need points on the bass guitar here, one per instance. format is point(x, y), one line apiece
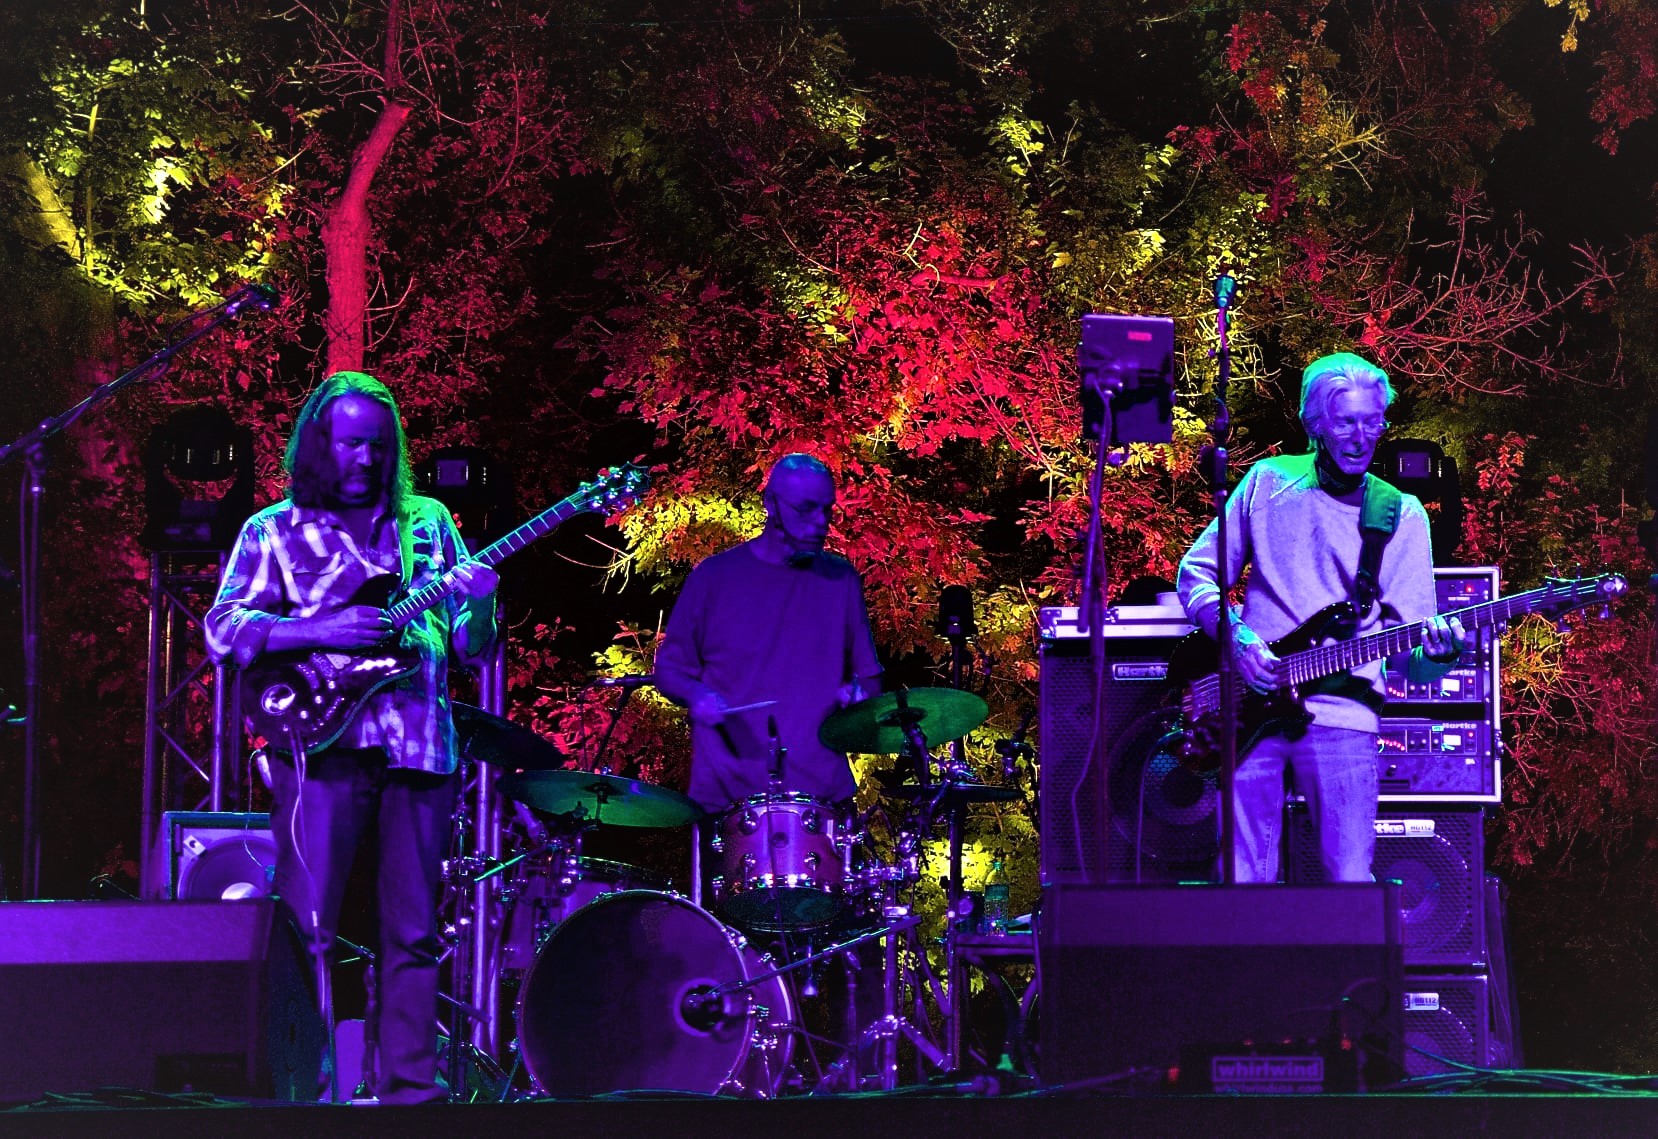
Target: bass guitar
point(1309, 655)
point(309, 697)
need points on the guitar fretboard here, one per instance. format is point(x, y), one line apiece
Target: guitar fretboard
point(1327, 660)
point(429, 595)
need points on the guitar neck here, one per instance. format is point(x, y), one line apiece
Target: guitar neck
point(540, 526)
point(1327, 660)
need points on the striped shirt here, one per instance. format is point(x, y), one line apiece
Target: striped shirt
point(295, 561)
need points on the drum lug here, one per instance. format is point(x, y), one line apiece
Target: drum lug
point(749, 823)
point(811, 822)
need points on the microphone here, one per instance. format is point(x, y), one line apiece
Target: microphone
point(1225, 286)
point(955, 612)
point(261, 297)
point(639, 680)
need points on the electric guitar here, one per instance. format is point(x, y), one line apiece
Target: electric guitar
point(310, 696)
point(1308, 655)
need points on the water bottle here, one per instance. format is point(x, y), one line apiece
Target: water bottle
point(996, 898)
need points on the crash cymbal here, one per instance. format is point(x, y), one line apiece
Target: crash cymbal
point(876, 726)
point(501, 743)
point(952, 794)
point(606, 799)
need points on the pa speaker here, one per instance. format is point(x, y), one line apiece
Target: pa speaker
point(160, 996)
point(202, 856)
point(1136, 977)
point(1116, 804)
point(1437, 855)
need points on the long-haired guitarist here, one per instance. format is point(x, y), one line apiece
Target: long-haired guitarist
point(1294, 521)
point(351, 515)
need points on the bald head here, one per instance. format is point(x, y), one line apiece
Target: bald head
point(800, 503)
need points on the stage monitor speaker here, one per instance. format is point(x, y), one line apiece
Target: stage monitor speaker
point(1135, 977)
point(201, 856)
point(1126, 811)
point(1437, 855)
point(1448, 1023)
point(151, 995)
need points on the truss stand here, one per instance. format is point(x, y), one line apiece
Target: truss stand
point(32, 446)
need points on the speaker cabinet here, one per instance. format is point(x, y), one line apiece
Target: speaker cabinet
point(166, 997)
point(201, 856)
point(1437, 855)
point(1124, 810)
point(1138, 976)
point(1448, 1023)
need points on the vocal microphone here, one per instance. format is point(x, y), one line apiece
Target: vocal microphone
point(1225, 286)
point(639, 680)
point(261, 297)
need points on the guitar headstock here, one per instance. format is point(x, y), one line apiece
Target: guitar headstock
point(613, 489)
point(1564, 594)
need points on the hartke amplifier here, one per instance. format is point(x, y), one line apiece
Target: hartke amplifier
point(167, 996)
point(205, 855)
point(1124, 811)
point(1437, 855)
point(1448, 1023)
point(1135, 977)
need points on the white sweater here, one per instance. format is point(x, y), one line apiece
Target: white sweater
point(1302, 548)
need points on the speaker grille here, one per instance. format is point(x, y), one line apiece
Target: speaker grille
point(1438, 857)
point(1447, 1022)
point(1161, 825)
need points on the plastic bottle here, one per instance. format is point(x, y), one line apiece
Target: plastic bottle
point(996, 895)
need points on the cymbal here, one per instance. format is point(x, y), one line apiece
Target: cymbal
point(502, 743)
point(607, 799)
point(876, 726)
point(952, 794)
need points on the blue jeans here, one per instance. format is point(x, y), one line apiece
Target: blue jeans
point(1334, 769)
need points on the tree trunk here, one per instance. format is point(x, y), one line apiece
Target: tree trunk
point(347, 229)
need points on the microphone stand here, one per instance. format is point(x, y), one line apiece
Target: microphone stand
point(32, 446)
point(1213, 462)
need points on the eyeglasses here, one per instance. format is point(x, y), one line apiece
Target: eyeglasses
point(1348, 426)
point(809, 508)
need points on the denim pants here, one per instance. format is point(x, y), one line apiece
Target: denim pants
point(318, 822)
point(1334, 769)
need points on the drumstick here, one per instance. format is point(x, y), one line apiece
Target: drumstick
point(756, 706)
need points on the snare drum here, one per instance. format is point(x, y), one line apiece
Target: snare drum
point(548, 889)
point(781, 862)
point(645, 990)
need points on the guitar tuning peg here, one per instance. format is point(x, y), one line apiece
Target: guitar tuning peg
point(1561, 626)
point(1605, 611)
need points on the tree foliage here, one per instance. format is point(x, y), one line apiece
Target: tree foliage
point(866, 231)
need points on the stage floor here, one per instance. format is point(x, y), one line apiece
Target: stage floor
point(912, 1114)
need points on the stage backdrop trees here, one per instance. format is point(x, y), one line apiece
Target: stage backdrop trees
point(866, 231)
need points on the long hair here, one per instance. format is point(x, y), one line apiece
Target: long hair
point(310, 462)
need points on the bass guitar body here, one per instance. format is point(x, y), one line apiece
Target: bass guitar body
point(1281, 712)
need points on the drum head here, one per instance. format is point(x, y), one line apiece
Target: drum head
point(603, 1008)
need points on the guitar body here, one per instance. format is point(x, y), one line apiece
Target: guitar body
point(310, 697)
point(1197, 659)
point(315, 694)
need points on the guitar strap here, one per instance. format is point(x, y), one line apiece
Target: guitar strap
point(1378, 519)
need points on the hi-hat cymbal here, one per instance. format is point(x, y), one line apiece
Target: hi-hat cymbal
point(876, 726)
point(501, 743)
point(607, 799)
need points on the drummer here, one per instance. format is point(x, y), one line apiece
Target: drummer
point(766, 640)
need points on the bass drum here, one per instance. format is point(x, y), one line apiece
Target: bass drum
point(640, 990)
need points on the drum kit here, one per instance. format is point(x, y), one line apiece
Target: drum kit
point(617, 982)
